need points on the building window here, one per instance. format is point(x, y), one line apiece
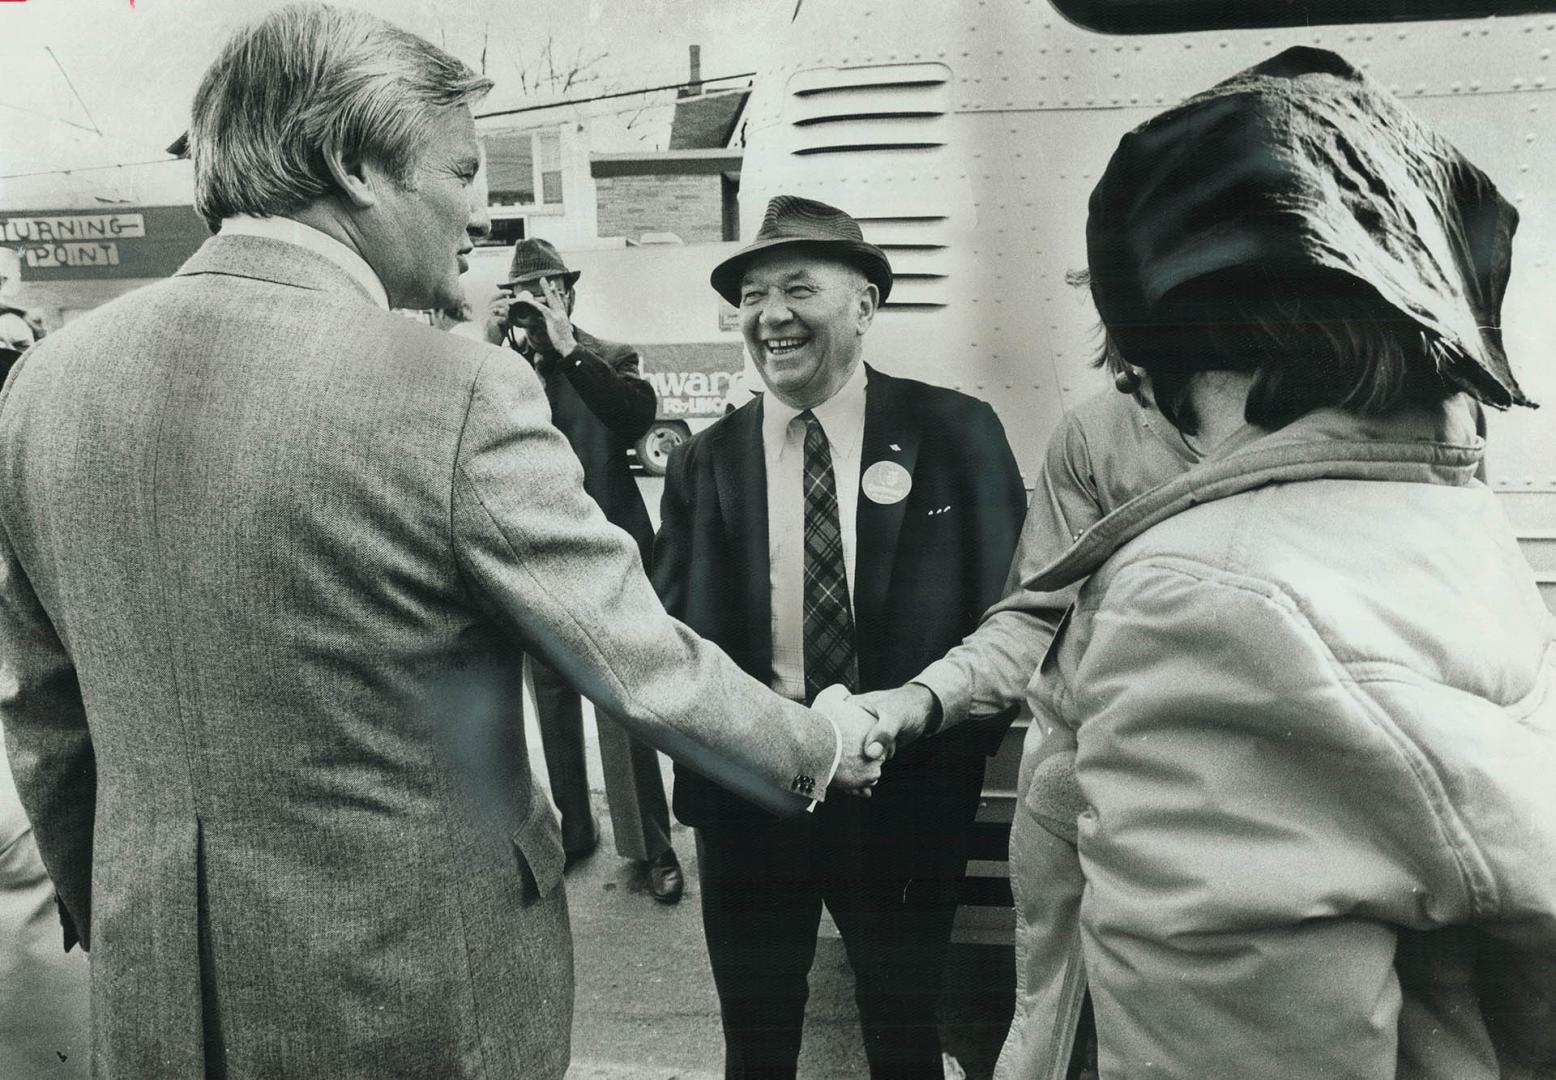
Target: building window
point(1179, 16)
point(548, 163)
point(505, 232)
point(524, 168)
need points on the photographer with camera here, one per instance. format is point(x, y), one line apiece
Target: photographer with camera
point(602, 404)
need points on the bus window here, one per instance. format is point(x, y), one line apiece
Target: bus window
point(1178, 16)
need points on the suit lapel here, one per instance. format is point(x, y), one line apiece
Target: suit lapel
point(740, 473)
point(891, 433)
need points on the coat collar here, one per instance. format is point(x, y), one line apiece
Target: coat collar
point(291, 231)
point(1423, 446)
point(261, 258)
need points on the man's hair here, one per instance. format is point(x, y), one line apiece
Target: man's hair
point(306, 81)
point(1315, 339)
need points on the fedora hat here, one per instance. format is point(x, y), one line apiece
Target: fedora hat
point(791, 221)
point(534, 258)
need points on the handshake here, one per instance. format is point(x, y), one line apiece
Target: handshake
point(873, 726)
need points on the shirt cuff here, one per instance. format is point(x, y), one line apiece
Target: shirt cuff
point(837, 759)
point(936, 719)
point(952, 686)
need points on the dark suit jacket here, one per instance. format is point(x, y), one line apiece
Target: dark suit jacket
point(602, 404)
point(927, 566)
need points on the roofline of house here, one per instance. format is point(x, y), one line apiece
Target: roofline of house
point(666, 163)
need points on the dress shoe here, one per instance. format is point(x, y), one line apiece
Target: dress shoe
point(579, 843)
point(666, 883)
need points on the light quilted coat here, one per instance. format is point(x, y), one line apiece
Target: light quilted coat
point(1306, 694)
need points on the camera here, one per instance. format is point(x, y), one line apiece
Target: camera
point(524, 312)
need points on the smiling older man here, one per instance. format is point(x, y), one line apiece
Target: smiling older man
point(268, 554)
point(847, 526)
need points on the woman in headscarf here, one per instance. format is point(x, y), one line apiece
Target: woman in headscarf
point(1306, 692)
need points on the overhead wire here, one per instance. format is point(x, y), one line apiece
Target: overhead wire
point(479, 116)
point(48, 116)
point(50, 50)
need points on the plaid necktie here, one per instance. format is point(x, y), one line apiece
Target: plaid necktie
point(829, 620)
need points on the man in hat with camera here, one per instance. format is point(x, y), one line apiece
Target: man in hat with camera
point(845, 526)
point(602, 404)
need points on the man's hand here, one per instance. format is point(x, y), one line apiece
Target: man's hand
point(857, 771)
point(902, 715)
point(551, 307)
point(497, 318)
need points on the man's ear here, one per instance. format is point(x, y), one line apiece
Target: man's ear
point(355, 179)
point(869, 301)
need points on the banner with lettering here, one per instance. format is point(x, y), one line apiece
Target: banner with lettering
point(692, 380)
point(75, 245)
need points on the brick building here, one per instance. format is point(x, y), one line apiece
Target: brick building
point(689, 191)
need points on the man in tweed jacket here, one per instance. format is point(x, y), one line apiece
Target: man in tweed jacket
point(267, 552)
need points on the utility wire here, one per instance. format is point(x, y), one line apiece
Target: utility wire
point(46, 116)
point(92, 168)
point(479, 116)
point(50, 50)
point(606, 97)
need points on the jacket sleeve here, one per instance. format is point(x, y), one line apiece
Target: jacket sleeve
point(47, 741)
point(1255, 831)
point(614, 390)
point(540, 556)
point(989, 671)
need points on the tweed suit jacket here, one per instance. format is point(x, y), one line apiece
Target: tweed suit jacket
point(267, 555)
point(927, 566)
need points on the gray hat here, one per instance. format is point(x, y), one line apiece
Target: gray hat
point(535, 258)
point(791, 221)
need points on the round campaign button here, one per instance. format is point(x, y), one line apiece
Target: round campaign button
point(886, 482)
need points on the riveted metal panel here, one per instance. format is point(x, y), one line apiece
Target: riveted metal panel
point(972, 135)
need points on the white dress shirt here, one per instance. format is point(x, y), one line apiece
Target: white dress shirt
point(783, 445)
point(320, 243)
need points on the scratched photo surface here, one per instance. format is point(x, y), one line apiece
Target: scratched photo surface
point(644, 140)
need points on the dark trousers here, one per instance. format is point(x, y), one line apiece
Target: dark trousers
point(634, 787)
point(892, 890)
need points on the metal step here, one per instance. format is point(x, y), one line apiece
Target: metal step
point(1547, 585)
point(984, 926)
point(1539, 548)
point(1000, 775)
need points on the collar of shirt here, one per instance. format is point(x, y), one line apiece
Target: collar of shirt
point(841, 416)
point(292, 231)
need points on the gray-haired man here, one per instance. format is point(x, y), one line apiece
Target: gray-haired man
point(266, 554)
